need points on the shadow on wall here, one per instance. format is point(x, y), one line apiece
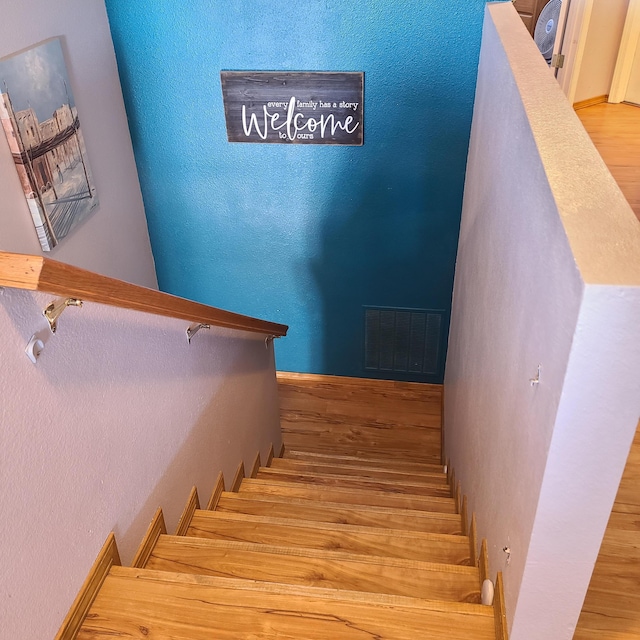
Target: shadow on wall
point(212, 445)
point(392, 241)
point(304, 235)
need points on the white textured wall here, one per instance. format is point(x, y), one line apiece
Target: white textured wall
point(119, 416)
point(547, 274)
point(601, 48)
point(114, 241)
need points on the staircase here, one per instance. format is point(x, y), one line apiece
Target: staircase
point(356, 532)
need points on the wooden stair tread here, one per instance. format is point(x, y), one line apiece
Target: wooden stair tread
point(362, 515)
point(370, 419)
point(295, 552)
point(139, 603)
point(318, 428)
point(347, 496)
point(337, 388)
point(369, 461)
point(349, 481)
point(427, 547)
point(313, 567)
point(301, 442)
point(345, 468)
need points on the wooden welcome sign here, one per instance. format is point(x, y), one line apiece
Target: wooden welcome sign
point(293, 107)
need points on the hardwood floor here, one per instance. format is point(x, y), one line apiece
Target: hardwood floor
point(615, 131)
point(611, 609)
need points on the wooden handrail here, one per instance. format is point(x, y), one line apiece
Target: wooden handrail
point(37, 273)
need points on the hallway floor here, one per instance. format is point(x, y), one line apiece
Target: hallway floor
point(615, 131)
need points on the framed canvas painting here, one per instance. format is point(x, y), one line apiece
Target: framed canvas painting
point(40, 120)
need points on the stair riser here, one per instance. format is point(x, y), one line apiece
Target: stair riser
point(342, 514)
point(392, 544)
point(366, 575)
point(335, 480)
point(291, 464)
point(347, 496)
point(397, 454)
point(373, 462)
point(389, 436)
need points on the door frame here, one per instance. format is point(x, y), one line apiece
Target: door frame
point(626, 53)
point(577, 15)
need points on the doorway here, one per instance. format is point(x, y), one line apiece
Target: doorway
point(625, 86)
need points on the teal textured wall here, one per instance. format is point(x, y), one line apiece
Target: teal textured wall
point(304, 235)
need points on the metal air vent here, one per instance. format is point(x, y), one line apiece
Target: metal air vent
point(402, 340)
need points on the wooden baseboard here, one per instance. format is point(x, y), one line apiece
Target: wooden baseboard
point(237, 479)
point(500, 615)
point(107, 558)
point(256, 466)
point(483, 561)
point(155, 530)
point(473, 542)
point(185, 519)
point(313, 379)
point(464, 516)
point(218, 488)
point(270, 455)
point(589, 102)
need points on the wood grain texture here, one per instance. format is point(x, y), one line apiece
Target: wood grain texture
point(347, 496)
point(361, 471)
point(340, 513)
point(375, 541)
point(218, 488)
point(37, 273)
point(203, 607)
point(483, 561)
point(529, 11)
point(364, 418)
point(355, 482)
point(612, 605)
point(107, 558)
point(355, 534)
point(156, 528)
point(589, 102)
point(255, 467)
point(464, 513)
point(500, 614)
point(270, 455)
point(615, 131)
point(345, 386)
point(473, 541)
point(320, 568)
point(349, 445)
point(371, 404)
point(193, 503)
point(237, 478)
point(374, 462)
point(316, 430)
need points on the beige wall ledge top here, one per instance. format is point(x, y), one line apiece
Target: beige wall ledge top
point(600, 225)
